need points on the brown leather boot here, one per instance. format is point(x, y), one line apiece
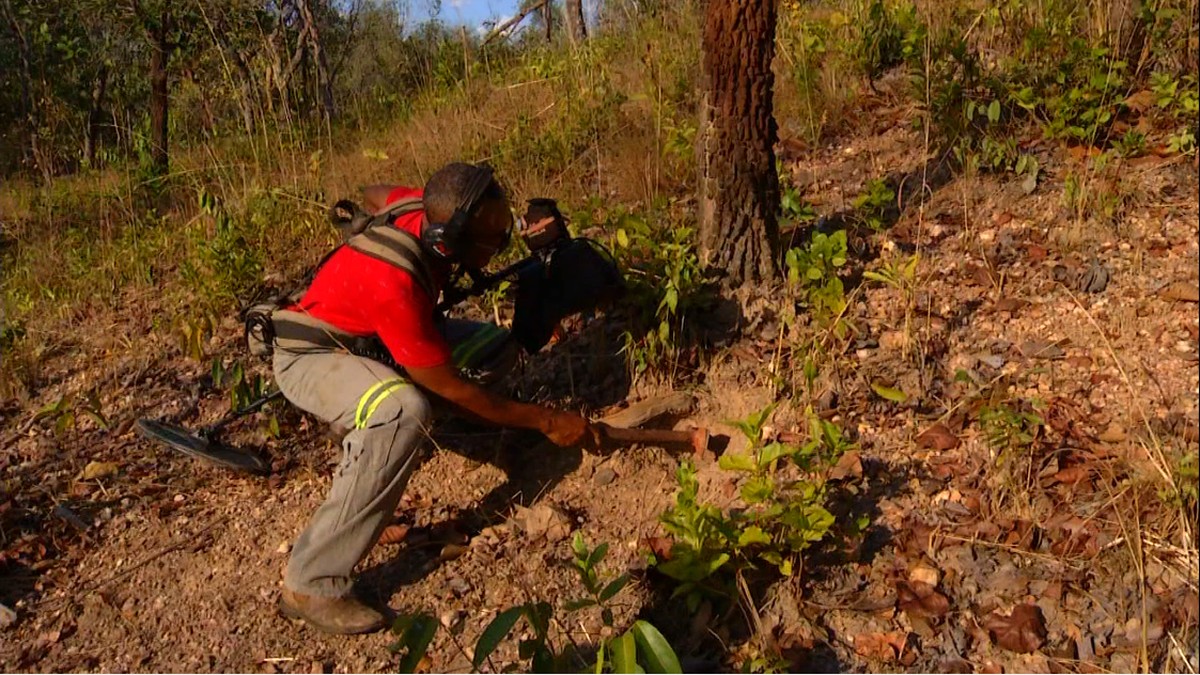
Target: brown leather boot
point(341, 616)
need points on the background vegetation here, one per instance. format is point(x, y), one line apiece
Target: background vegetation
point(276, 110)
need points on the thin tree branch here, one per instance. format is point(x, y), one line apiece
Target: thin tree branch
point(513, 21)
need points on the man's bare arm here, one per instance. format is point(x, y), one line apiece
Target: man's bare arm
point(375, 197)
point(563, 428)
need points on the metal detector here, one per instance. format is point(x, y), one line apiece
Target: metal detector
point(204, 442)
point(543, 243)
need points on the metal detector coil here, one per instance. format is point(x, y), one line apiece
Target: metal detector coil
point(204, 443)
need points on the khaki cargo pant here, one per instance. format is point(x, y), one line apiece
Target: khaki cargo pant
point(388, 420)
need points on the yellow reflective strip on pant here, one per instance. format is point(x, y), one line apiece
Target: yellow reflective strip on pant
point(379, 399)
point(365, 398)
point(469, 348)
point(370, 400)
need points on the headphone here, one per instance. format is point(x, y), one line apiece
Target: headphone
point(448, 240)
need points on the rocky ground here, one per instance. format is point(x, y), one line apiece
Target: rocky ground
point(1060, 551)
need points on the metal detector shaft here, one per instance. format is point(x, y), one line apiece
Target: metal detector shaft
point(484, 282)
point(252, 407)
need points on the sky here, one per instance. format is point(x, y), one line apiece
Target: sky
point(474, 12)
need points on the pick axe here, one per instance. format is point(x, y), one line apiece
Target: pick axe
point(696, 439)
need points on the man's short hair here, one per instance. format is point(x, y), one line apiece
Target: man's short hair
point(448, 186)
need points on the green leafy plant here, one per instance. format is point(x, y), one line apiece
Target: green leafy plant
point(813, 272)
point(64, 413)
point(1007, 427)
point(1085, 95)
point(1178, 97)
point(1182, 141)
point(1187, 479)
point(244, 391)
point(1132, 144)
point(665, 283)
point(194, 331)
point(881, 33)
point(794, 207)
point(782, 513)
point(225, 265)
point(640, 648)
point(872, 205)
point(901, 274)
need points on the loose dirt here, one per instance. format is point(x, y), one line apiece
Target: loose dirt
point(1063, 555)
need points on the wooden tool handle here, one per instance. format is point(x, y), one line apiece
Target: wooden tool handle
point(647, 435)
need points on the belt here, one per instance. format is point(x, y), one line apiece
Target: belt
point(298, 332)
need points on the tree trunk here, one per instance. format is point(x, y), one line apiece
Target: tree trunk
point(739, 189)
point(576, 28)
point(548, 19)
point(1122, 29)
point(246, 100)
point(159, 53)
point(324, 81)
point(40, 162)
point(95, 107)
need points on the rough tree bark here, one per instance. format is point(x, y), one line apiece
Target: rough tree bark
point(159, 53)
point(739, 189)
point(324, 80)
point(548, 19)
point(1123, 29)
point(28, 100)
point(576, 28)
point(95, 109)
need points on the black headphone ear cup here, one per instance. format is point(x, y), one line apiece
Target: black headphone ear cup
point(454, 233)
point(448, 239)
point(433, 238)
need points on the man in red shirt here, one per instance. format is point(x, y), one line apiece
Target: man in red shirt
point(387, 411)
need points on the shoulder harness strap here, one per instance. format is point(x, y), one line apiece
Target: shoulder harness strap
point(375, 236)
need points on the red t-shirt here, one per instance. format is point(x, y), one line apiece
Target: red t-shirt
point(365, 296)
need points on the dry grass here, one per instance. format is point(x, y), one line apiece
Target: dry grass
point(86, 240)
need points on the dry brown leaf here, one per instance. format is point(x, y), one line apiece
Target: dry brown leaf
point(978, 274)
point(393, 534)
point(937, 437)
point(543, 521)
point(659, 546)
point(1080, 362)
point(1181, 291)
point(874, 646)
point(1072, 475)
point(849, 466)
point(924, 574)
point(729, 488)
point(451, 552)
point(1011, 304)
point(1074, 535)
point(947, 470)
point(95, 470)
point(1020, 533)
point(971, 501)
point(885, 647)
point(1140, 101)
point(1041, 349)
point(920, 599)
point(1146, 161)
point(1036, 253)
point(1023, 631)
